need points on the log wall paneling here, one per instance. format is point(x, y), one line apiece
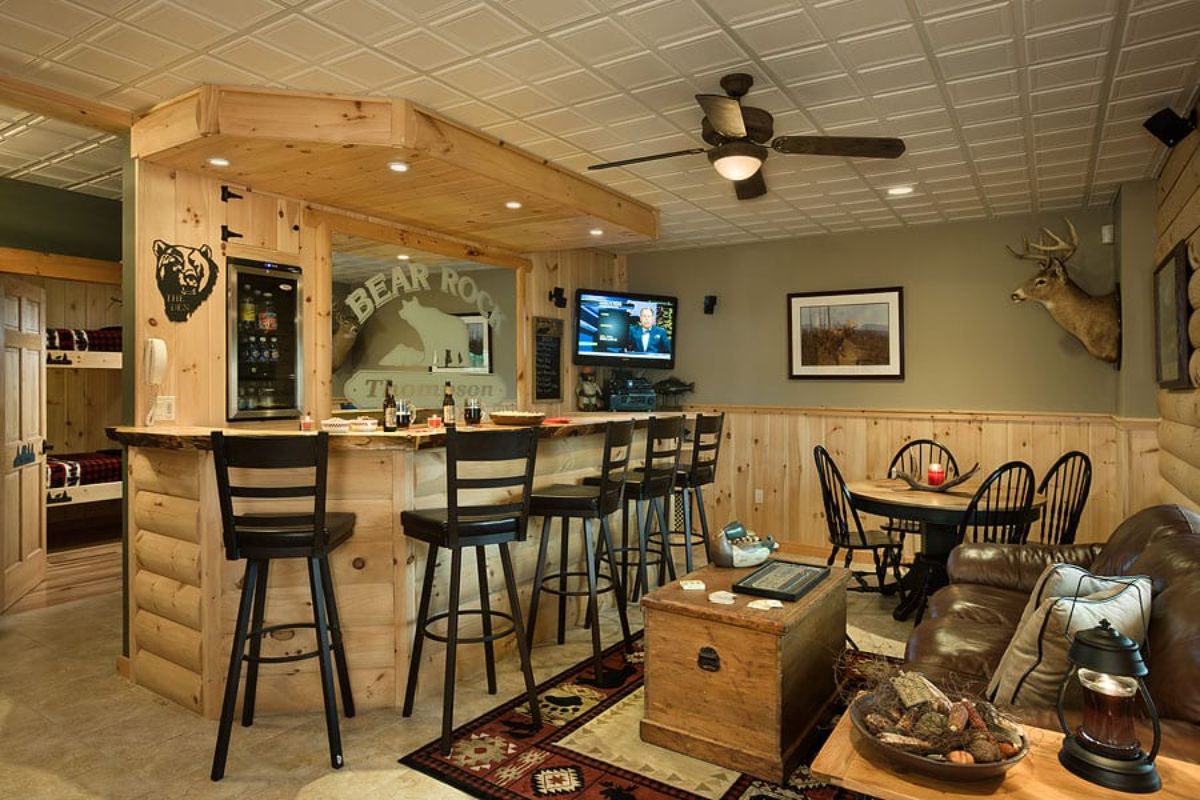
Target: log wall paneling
point(570, 269)
point(1178, 219)
point(771, 449)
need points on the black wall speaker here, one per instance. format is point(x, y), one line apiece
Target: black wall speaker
point(558, 297)
point(1170, 128)
point(710, 303)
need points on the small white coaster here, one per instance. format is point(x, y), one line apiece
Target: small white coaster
point(692, 585)
point(722, 598)
point(765, 604)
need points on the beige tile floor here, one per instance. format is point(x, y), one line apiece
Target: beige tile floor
point(70, 727)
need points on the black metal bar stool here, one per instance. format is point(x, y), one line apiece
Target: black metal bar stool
point(647, 488)
point(586, 503)
point(262, 536)
point(471, 519)
point(693, 476)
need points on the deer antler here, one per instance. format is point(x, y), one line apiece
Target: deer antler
point(1051, 247)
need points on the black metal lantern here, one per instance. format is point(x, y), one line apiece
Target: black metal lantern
point(1104, 748)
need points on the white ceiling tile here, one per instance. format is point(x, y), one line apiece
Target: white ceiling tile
point(368, 21)
point(667, 20)
point(582, 81)
point(848, 17)
point(423, 50)
point(777, 33)
point(985, 87)
point(881, 47)
point(1162, 21)
point(971, 28)
point(714, 51)
point(1084, 69)
point(532, 61)
point(1062, 43)
point(995, 57)
point(175, 24)
point(479, 29)
point(546, 15)
point(1044, 14)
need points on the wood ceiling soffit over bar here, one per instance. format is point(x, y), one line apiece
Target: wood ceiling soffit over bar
point(333, 151)
point(62, 106)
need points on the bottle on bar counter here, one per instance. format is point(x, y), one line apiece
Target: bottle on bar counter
point(389, 409)
point(448, 407)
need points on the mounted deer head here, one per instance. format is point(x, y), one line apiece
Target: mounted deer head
point(1094, 320)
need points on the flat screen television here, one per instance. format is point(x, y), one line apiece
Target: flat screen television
point(620, 329)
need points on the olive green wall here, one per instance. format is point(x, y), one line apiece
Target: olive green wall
point(967, 345)
point(35, 217)
point(1136, 237)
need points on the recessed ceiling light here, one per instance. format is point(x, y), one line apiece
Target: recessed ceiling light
point(217, 161)
point(596, 232)
point(897, 191)
point(513, 204)
point(403, 257)
point(397, 166)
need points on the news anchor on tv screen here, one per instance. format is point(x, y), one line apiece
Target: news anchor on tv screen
point(646, 336)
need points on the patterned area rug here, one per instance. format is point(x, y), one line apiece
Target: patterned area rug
point(590, 749)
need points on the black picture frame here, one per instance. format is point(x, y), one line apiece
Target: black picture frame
point(781, 580)
point(1172, 349)
point(893, 296)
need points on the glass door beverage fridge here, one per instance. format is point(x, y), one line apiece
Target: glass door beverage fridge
point(264, 340)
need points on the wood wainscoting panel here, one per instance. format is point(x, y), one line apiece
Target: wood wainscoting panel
point(770, 448)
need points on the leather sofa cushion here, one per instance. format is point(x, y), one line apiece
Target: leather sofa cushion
point(957, 645)
point(1035, 664)
point(1016, 568)
point(986, 605)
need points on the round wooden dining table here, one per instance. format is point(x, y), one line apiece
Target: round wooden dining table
point(940, 515)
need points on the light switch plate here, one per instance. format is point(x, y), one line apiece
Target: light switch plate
point(758, 495)
point(164, 408)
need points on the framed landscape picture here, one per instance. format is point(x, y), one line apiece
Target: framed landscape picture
point(1171, 319)
point(852, 334)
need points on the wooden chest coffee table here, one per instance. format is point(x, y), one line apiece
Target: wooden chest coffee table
point(735, 686)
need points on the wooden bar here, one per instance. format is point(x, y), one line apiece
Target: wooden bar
point(184, 592)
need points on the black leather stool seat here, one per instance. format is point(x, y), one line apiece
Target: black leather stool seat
point(429, 525)
point(284, 540)
point(566, 498)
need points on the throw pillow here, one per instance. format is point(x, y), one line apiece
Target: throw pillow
point(1066, 580)
point(1035, 663)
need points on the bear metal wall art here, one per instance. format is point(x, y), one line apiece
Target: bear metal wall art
point(185, 276)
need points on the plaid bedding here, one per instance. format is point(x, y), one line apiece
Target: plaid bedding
point(103, 340)
point(78, 469)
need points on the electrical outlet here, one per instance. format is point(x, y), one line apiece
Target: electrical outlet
point(164, 408)
point(758, 495)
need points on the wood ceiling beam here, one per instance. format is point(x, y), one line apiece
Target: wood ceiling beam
point(60, 105)
point(428, 241)
point(53, 265)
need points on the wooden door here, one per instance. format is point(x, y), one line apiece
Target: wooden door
point(23, 422)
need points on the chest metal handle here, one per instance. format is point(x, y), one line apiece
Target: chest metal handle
point(708, 659)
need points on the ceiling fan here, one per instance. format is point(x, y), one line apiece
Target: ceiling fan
point(739, 135)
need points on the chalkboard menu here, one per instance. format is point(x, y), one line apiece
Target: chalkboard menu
point(547, 358)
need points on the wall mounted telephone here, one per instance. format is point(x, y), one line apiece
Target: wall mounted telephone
point(154, 371)
point(154, 361)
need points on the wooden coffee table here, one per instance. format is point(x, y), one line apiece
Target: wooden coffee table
point(735, 686)
point(1038, 776)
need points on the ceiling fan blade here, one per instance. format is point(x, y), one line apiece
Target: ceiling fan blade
point(626, 162)
point(754, 186)
point(847, 146)
point(724, 114)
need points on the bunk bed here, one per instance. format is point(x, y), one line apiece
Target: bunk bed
point(90, 477)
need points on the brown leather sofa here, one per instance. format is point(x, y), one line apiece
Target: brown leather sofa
point(969, 622)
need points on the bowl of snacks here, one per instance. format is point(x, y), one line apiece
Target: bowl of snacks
point(914, 726)
point(335, 425)
point(517, 417)
point(364, 425)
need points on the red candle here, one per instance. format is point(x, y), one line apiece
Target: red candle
point(937, 474)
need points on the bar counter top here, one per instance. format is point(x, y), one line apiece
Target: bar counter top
point(418, 437)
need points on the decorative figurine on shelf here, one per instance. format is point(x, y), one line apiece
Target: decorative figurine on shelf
point(735, 546)
point(588, 395)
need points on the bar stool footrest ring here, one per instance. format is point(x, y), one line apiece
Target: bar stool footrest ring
point(475, 612)
point(604, 583)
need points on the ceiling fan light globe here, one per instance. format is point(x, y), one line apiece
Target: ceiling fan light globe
point(736, 161)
